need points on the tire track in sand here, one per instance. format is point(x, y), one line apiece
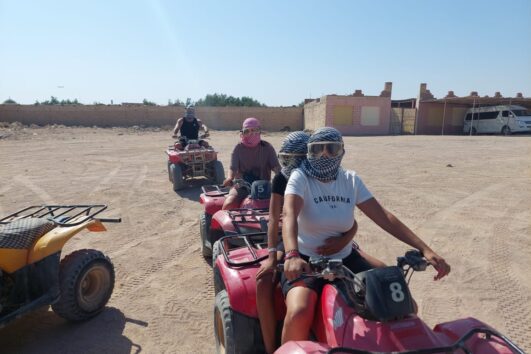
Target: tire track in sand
point(511, 296)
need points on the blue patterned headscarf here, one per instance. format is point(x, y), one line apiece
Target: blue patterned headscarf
point(323, 168)
point(294, 143)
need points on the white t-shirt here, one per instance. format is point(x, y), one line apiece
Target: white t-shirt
point(328, 208)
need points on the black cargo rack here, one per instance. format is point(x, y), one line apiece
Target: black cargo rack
point(226, 241)
point(62, 215)
point(249, 216)
point(215, 190)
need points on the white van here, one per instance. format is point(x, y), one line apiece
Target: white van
point(497, 119)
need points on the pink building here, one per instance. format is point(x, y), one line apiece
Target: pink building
point(354, 114)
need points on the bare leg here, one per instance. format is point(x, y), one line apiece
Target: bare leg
point(232, 201)
point(265, 305)
point(300, 303)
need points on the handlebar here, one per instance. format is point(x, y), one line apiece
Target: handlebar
point(114, 220)
point(331, 269)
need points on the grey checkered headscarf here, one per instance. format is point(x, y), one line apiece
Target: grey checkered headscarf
point(323, 168)
point(294, 143)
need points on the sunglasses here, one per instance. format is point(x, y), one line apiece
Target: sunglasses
point(288, 159)
point(249, 131)
point(332, 148)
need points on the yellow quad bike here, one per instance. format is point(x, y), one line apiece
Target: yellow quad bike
point(32, 273)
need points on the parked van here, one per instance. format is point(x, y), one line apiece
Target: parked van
point(497, 119)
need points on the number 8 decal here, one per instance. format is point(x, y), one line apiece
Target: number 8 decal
point(396, 292)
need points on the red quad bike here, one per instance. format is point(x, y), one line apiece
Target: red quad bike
point(187, 159)
point(250, 217)
point(368, 312)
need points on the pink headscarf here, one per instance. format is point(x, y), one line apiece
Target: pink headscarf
point(251, 140)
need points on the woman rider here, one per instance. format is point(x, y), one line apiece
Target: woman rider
point(319, 202)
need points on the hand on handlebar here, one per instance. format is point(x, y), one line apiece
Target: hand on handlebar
point(227, 182)
point(438, 263)
point(294, 267)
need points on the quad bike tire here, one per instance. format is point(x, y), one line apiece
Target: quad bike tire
point(219, 172)
point(506, 130)
point(177, 177)
point(234, 332)
point(216, 251)
point(170, 176)
point(86, 282)
point(204, 229)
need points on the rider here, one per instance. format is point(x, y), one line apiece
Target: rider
point(252, 159)
point(319, 202)
point(292, 153)
point(188, 127)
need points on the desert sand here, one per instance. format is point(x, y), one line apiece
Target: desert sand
point(468, 197)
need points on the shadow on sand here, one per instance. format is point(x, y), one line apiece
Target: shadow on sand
point(44, 329)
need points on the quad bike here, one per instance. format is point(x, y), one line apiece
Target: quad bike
point(188, 159)
point(252, 215)
point(368, 312)
point(32, 273)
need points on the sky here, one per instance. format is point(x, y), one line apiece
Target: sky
point(278, 52)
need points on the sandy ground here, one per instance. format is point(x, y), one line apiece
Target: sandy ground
point(468, 197)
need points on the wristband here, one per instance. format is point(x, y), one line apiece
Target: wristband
point(271, 250)
point(292, 254)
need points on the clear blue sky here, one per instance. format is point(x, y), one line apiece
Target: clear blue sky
point(278, 52)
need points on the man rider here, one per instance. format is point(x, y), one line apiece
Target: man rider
point(188, 127)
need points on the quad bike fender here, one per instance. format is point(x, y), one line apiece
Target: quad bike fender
point(54, 241)
point(240, 284)
point(332, 315)
point(173, 156)
point(249, 203)
point(241, 287)
point(12, 259)
point(222, 221)
point(212, 204)
point(400, 335)
point(302, 347)
point(477, 344)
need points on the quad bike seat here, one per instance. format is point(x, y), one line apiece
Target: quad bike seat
point(261, 190)
point(17, 237)
point(22, 233)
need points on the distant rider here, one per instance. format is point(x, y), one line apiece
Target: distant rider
point(188, 128)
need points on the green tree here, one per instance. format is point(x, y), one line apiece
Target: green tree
point(148, 103)
point(222, 100)
point(10, 101)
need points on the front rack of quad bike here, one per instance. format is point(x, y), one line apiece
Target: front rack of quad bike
point(61, 215)
point(245, 241)
point(214, 190)
point(458, 347)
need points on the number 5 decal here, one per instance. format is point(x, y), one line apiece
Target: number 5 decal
point(396, 292)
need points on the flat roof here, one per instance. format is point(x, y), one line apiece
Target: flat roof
point(491, 101)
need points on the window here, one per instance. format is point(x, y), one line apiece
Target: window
point(342, 115)
point(505, 114)
point(521, 113)
point(488, 115)
point(370, 116)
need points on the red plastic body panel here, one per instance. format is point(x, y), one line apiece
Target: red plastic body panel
point(240, 283)
point(303, 347)
point(173, 156)
point(456, 329)
point(337, 325)
point(212, 203)
point(249, 203)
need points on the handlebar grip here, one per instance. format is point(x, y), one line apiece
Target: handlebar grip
point(116, 220)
